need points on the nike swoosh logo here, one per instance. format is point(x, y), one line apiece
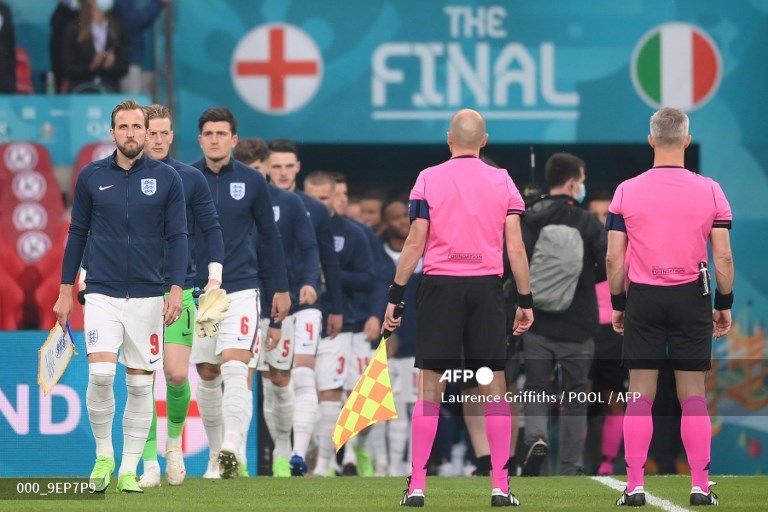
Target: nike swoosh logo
point(240, 338)
point(105, 188)
point(153, 361)
point(186, 334)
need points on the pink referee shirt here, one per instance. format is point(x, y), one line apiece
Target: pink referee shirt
point(668, 213)
point(467, 203)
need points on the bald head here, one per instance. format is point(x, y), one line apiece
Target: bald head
point(467, 130)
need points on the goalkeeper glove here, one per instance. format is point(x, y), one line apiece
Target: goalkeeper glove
point(213, 309)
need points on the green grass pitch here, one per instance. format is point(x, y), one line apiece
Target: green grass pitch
point(371, 494)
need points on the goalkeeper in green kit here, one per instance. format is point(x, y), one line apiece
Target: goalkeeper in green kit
point(201, 216)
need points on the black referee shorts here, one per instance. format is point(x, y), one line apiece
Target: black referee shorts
point(461, 323)
point(667, 321)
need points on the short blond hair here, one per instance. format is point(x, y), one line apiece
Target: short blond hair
point(157, 111)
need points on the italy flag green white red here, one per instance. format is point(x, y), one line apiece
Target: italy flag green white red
point(676, 65)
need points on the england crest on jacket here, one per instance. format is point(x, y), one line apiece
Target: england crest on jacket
point(237, 190)
point(149, 186)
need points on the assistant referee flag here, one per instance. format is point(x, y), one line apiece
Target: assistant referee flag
point(371, 401)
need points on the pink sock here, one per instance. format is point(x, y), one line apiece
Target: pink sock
point(696, 431)
point(612, 434)
point(498, 428)
point(423, 430)
point(638, 431)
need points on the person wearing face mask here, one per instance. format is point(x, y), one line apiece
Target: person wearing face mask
point(563, 332)
point(97, 49)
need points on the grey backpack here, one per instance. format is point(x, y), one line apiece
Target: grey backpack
point(558, 257)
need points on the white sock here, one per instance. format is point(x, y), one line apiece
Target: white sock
point(243, 453)
point(304, 408)
point(137, 419)
point(267, 405)
point(377, 444)
point(329, 413)
point(283, 413)
point(234, 404)
point(398, 440)
point(100, 402)
point(209, 404)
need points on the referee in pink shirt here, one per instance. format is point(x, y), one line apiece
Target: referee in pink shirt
point(461, 211)
point(667, 214)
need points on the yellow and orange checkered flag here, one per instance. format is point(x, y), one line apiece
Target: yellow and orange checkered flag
point(372, 399)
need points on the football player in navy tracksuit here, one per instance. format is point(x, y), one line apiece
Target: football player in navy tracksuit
point(201, 214)
point(127, 208)
point(242, 200)
point(357, 276)
point(303, 266)
point(357, 459)
point(402, 372)
point(283, 167)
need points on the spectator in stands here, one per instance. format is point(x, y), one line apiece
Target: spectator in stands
point(65, 12)
point(96, 49)
point(7, 51)
point(137, 19)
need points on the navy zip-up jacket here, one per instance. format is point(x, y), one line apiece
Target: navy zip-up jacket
point(370, 302)
point(242, 199)
point(357, 273)
point(406, 333)
point(299, 248)
point(321, 221)
point(202, 215)
point(127, 218)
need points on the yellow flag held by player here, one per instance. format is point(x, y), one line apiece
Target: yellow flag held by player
point(371, 401)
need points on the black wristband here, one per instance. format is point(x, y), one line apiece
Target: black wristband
point(525, 301)
point(81, 297)
point(619, 301)
point(396, 293)
point(723, 302)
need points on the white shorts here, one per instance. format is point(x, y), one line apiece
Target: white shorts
point(361, 355)
point(333, 361)
point(404, 378)
point(280, 357)
point(309, 325)
point(135, 325)
point(238, 330)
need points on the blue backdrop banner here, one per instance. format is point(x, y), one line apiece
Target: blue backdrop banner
point(56, 429)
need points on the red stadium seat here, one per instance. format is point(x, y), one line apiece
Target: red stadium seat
point(31, 205)
point(45, 298)
point(11, 301)
point(23, 72)
point(13, 265)
point(50, 264)
point(87, 154)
